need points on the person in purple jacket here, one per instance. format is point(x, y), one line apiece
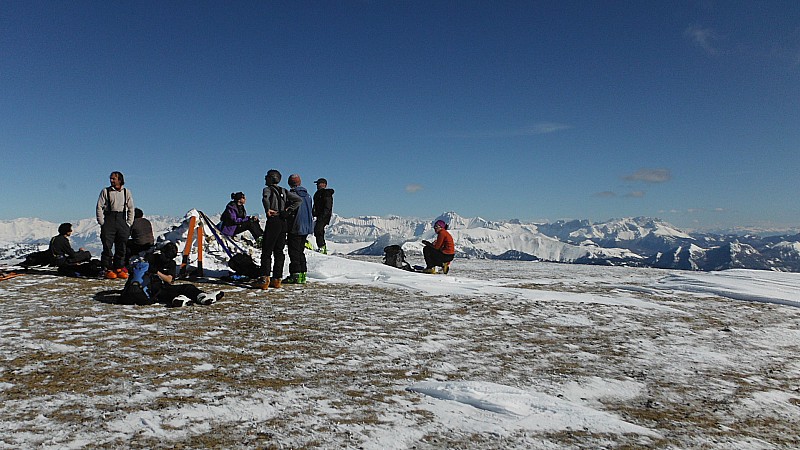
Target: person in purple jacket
point(235, 219)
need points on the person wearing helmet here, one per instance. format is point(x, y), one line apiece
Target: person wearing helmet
point(441, 252)
point(279, 204)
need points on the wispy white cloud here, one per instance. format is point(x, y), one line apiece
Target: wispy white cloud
point(414, 188)
point(606, 194)
point(544, 128)
point(533, 130)
point(705, 38)
point(649, 176)
point(635, 194)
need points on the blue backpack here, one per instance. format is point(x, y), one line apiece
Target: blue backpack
point(137, 287)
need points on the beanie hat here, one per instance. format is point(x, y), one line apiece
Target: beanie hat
point(236, 196)
point(64, 228)
point(440, 223)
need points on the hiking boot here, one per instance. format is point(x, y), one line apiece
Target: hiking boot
point(309, 246)
point(429, 270)
point(207, 299)
point(292, 279)
point(323, 250)
point(122, 273)
point(301, 278)
point(180, 301)
point(110, 275)
point(445, 268)
point(261, 283)
point(275, 282)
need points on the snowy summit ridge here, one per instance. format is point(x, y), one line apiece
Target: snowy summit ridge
point(636, 241)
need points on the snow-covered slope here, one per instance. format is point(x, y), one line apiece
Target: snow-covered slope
point(628, 241)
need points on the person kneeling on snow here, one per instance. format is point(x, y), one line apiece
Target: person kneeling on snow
point(163, 270)
point(441, 252)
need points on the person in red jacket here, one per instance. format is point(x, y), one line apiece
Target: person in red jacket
point(441, 252)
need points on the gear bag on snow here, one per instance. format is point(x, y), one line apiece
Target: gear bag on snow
point(42, 258)
point(137, 287)
point(243, 264)
point(91, 268)
point(393, 255)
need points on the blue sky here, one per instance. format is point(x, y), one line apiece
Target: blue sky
point(687, 111)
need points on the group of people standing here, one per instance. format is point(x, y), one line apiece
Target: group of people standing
point(290, 218)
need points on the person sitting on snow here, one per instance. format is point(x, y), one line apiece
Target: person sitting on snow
point(142, 238)
point(235, 219)
point(69, 261)
point(163, 271)
point(441, 252)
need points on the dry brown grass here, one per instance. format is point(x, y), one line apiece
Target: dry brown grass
point(81, 363)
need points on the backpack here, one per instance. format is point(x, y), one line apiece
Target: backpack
point(243, 264)
point(393, 255)
point(90, 268)
point(42, 258)
point(137, 287)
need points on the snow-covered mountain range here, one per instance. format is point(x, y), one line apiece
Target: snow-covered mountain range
point(638, 241)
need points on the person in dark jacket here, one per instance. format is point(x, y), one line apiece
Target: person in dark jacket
point(62, 251)
point(69, 261)
point(279, 204)
point(162, 272)
point(142, 237)
point(301, 224)
point(323, 210)
point(235, 219)
point(115, 217)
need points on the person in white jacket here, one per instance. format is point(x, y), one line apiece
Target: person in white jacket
point(115, 213)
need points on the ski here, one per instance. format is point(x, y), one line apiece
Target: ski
point(9, 276)
point(188, 248)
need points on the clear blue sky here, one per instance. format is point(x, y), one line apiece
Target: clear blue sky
point(688, 111)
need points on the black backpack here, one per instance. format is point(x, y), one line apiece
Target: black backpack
point(243, 264)
point(42, 258)
point(393, 255)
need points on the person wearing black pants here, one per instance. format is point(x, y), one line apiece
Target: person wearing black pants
point(115, 217)
point(163, 271)
point(322, 212)
point(300, 226)
point(278, 204)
